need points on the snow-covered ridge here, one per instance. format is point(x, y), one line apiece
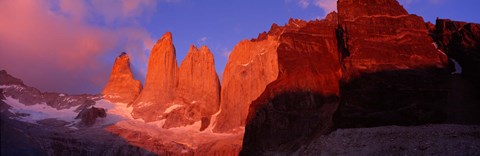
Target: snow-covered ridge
point(16, 87)
point(37, 112)
point(41, 111)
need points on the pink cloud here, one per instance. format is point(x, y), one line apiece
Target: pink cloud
point(58, 50)
point(327, 5)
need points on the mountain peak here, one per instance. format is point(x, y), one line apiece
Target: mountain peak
point(122, 87)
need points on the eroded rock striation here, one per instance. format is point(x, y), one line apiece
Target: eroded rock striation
point(161, 81)
point(122, 87)
point(382, 36)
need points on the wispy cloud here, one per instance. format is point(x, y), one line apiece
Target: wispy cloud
point(226, 52)
point(202, 41)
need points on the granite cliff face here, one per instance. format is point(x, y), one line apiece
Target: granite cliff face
point(391, 61)
point(122, 87)
point(358, 60)
point(303, 98)
point(198, 93)
point(250, 67)
point(161, 82)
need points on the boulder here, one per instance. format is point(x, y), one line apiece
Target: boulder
point(89, 116)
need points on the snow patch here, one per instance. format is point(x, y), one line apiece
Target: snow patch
point(70, 100)
point(435, 44)
point(171, 108)
point(16, 87)
point(246, 64)
point(458, 68)
point(213, 122)
point(61, 95)
point(116, 112)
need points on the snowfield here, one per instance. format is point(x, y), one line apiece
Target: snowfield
point(38, 112)
point(117, 114)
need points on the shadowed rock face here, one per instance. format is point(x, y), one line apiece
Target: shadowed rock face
point(461, 41)
point(122, 87)
point(198, 92)
point(161, 82)
point(398, 97)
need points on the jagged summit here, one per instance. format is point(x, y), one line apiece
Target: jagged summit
point(122, 87)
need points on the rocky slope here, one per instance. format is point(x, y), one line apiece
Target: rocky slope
point(161, 81)
point(396, 140)
point(122, 87)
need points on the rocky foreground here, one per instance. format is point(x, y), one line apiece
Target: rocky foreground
point(396, 140)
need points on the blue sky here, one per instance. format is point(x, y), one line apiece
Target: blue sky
point(73, 43)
